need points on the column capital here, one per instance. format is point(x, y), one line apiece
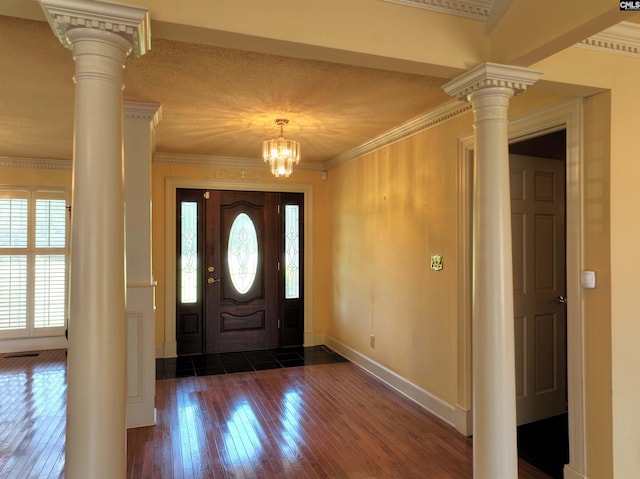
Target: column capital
point(135, 110)
point(488, 75)
point(129, 21)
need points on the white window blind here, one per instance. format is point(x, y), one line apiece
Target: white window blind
point(33, 263)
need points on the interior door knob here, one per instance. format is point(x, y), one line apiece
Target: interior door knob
point(561, 300)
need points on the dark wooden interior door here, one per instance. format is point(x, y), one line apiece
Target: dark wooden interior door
point(241, 279)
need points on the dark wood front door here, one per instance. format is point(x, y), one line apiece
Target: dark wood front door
point(241, 285)
point(238, 253)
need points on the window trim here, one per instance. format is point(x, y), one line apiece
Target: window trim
point(32, 252)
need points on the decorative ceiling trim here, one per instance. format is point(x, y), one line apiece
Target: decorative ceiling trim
point(135, 110)
point(421, 123)
point(128, 21)
point(621, 39)
point(225, 161)
point(44, 164)
point(476, 9)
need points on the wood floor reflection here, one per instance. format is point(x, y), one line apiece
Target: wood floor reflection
point(321, 421)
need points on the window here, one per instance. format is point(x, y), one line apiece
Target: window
point(33, 263)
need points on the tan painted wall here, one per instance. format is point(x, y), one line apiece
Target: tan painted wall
point(35, 177)
point(620, 385)
point(597, 302)
point(389, 212)
point(320, 277)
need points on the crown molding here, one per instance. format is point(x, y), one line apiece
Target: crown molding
point(128, 21)
point(224, 161)
point(621, 39)
point(476, 9)
point(421, 123)
point(40, 163)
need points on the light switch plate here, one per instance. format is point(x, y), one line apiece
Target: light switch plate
point(436, 262)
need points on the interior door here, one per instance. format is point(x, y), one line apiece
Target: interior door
point(241, 279)
point(539, 281)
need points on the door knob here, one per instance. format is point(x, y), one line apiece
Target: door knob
point(561, 300)
point(211, 280)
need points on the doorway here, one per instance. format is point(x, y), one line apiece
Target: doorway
point(538, 203)
point(239, 270)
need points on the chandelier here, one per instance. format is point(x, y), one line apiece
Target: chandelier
point(281, 153)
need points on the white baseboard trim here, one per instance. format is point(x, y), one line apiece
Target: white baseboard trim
point(428, 401)
point(32, 344)
point(570, 473)
point(464, 421)
point(159, 351)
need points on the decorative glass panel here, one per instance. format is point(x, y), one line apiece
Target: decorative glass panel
point(292, 252)
point(51, 226)
point(14, 213)
point(50, 291)
point(13, 292)
point(243, 253)
point(189, 252)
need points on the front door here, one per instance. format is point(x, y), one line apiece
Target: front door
point(235, 265)
point(539, 271)
point(241, 258)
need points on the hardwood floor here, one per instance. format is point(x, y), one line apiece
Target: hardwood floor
point(322, 421)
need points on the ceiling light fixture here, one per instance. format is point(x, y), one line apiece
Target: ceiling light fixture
point(281, 153)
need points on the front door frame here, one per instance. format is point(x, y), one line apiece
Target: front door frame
point(171, 185)
point(565, 115)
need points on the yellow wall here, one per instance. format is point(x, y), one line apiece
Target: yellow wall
point(35, 177)
point(619, 74)
point(389, 212)
point(250, 177)
point(597, 302)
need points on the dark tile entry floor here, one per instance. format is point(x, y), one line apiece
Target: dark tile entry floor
point(223, 363)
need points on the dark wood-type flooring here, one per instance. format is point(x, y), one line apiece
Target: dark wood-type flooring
point(321, 421)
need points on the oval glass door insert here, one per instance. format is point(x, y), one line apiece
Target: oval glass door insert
point(242, 253)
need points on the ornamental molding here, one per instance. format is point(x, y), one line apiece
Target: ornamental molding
point(135, 110)
point(224, 161)
point(488, 75)
point(421, 123)
point(621, 39)
point(476, 9)
point(128, 21)
point(39, 163)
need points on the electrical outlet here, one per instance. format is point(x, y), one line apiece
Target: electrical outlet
point(372, 340)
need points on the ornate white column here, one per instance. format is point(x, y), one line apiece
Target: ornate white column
point(140, 120)
point(489, 88)
point(101, 35)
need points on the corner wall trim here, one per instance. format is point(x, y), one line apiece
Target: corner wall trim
point(428, 401)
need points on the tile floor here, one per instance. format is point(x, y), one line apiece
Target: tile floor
point(224, 363)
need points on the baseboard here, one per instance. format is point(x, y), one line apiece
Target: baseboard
point(428, 401)
point(464, 421)
point(159, 351)
point(570, 473)
point(32, 344)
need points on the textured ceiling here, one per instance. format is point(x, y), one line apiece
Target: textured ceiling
point(215, 101)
